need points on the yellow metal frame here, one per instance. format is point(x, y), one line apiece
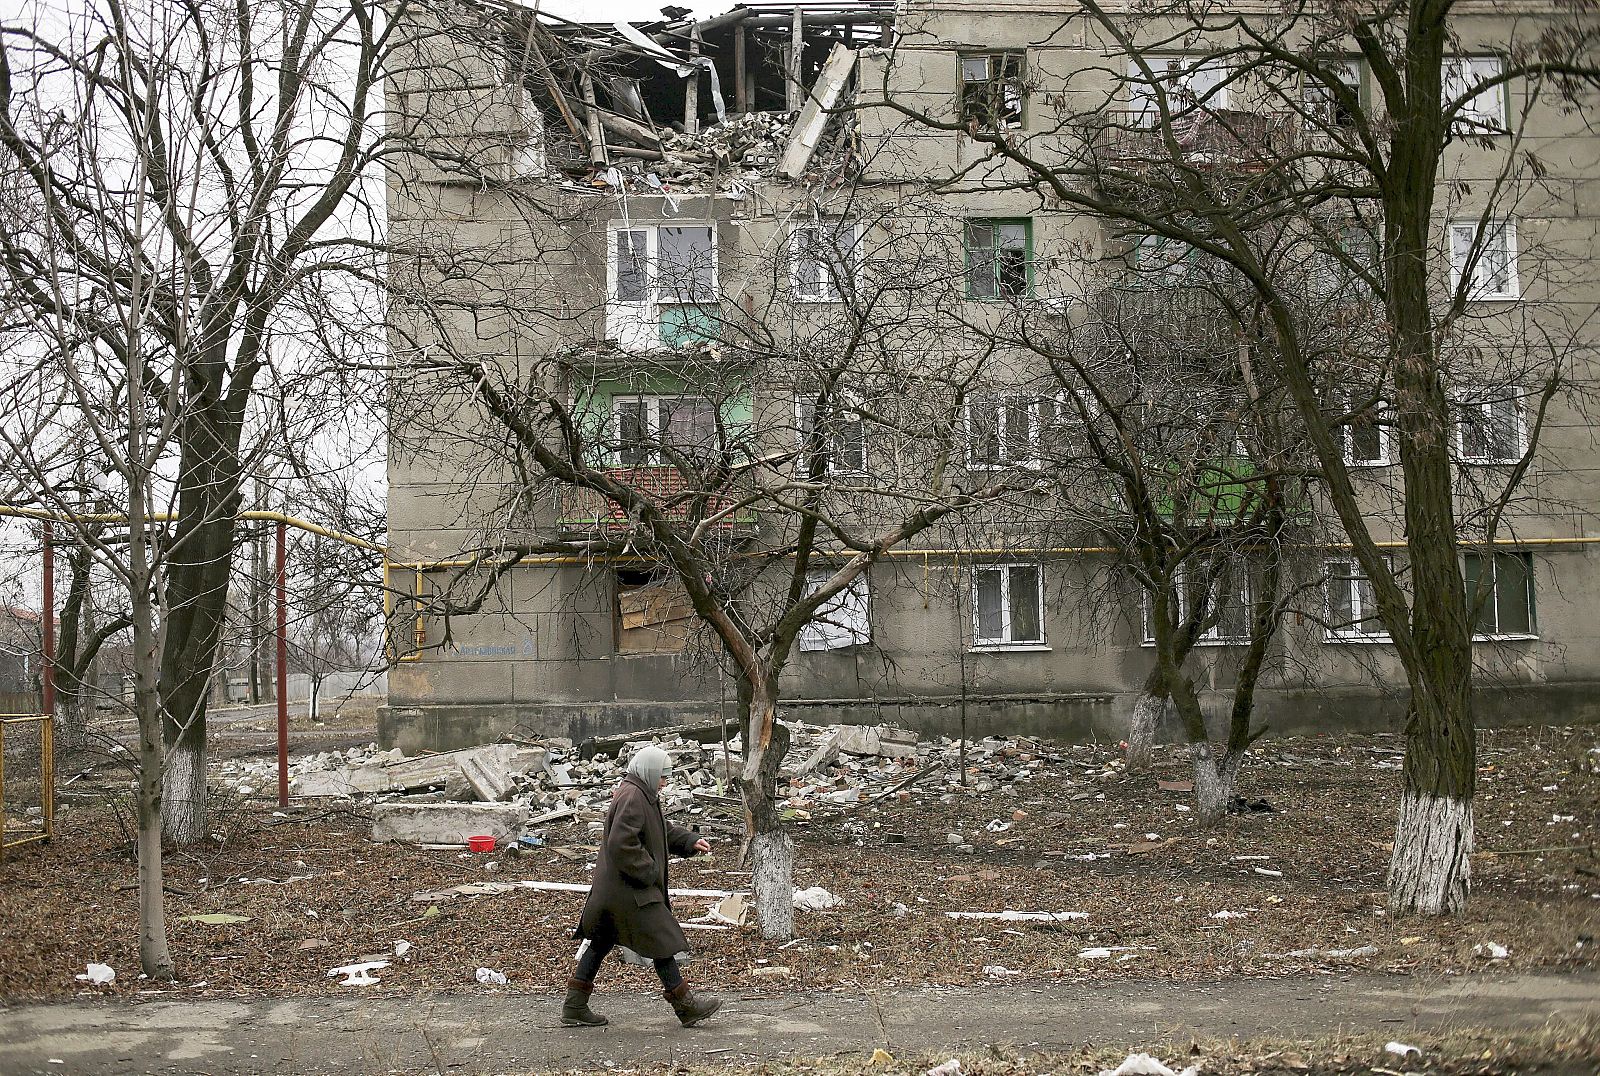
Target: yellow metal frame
point(47, 775)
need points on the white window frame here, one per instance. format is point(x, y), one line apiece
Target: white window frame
point(652, 401)
point(1358, 611)
point(1316, 97)
point(848, 234)
point(1492, 558)
point(1181, 71)
point(995, 79)
point(851, 401)
point(1244, 590)
point(1004, 641)
point(1463, 239)
point(1484, 412)
point(1005, 402)
point(1463, 72)
point(636, 323)
point(842, 621)
point(1347, 438)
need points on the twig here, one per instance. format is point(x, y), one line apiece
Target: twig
point(1539, 851)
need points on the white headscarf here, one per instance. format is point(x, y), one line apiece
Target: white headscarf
point(650, 764)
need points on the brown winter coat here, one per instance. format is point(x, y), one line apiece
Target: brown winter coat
point(629, 894)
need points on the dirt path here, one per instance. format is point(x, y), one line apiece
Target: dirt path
point(516, 1032)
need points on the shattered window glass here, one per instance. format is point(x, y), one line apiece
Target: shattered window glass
point(687, 264)
point(1491, 430)
point(633, 267)
point(999, 258)
point(992, 90)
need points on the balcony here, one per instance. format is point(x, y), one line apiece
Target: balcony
point(586, 511)
point(1224, 140)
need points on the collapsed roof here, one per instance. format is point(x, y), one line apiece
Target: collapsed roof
point(677, 103)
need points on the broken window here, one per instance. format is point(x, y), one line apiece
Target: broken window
point(1500, 594)
point(663, 285)
point(1483, 108)
point(653, 612)
point(1229, 604)
point(1008, 600)
point(999, 258)
point(843, 620)
point(992, 90)
point(1183, 82)
point(1324, 106)
point(1489, 253)
point(1365, 435)
point(824, 257)
point(655, 430)
point(1491, 430)
point(1014, 429)
point(1352, 607)
point(844, 434)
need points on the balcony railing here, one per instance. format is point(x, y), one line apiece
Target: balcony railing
point(583, 509)
point(1222, 139)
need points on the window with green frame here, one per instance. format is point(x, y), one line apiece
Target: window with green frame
point(1500, 594)
point(999, 258)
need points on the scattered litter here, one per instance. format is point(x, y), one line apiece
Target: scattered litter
point(880, 1056)
point(1240, 805)
point(1401, 1050)
point(815, 899)
point(359, 974)
point(1268, 872)
point(401, 948)
point(732, 910)
point(1491, 951)
point(1351, 954)
point(1009, 916)
point(215, 919)
point(1097, 953)
point(951, 1067)
point(999, 971)
point(776, 971)
point(490, 977)
point(1145, 1065)
point(98, 974)
point(1230, 915)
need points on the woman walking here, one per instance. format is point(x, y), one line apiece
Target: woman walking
point(628, 902)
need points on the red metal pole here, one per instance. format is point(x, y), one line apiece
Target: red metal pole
point(48, 672)
point(283, 671)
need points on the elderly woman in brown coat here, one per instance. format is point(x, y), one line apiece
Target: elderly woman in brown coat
point(628, 902)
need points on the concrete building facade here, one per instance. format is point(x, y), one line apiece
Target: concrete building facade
point(565, 234)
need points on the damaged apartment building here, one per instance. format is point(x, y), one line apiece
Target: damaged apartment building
point(631, 210)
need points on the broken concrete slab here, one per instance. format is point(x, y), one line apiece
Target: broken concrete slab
point(882, 741)
point(705, 732)
point(488, 780)
point(445, 823)
point(434, 771)
point(814, 115)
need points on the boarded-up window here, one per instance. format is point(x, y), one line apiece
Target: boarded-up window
point(654, 615)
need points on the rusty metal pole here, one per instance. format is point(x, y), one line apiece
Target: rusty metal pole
point(47, 673)
point(280, 587)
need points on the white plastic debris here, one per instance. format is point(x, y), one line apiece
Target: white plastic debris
point(98, 974)
point(1230, 915)
point(1268, 872)
point(1145, 1065)
point(951, 1067)
point(490, 977)
point(1096, 953)
point(1401, 1050)
point(815, 899)
point(401, 948)
point(1351, 954)
point(999, 971)
point(359, 974)
point(1487, 950)
point(997, 826)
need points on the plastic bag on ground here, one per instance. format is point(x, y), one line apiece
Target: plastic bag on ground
point(815, 899)
point(98, 974)
point(1145, 1065)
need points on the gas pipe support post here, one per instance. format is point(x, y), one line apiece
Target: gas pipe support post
point(47, 674)
point(280, 587)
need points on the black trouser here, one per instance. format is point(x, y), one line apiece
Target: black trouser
point(601, 945)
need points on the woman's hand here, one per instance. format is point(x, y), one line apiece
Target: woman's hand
point(703, 846)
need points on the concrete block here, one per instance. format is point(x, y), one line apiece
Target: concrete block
point(881, 741)
point(433, 771)
point(445, 823)
point(488, 779)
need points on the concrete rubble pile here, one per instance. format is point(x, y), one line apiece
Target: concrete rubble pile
point(513, 789)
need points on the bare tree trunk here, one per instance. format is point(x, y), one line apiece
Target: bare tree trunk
point(183, 802)
point(1147, 712)
point(1214, 781)
point(771, 849)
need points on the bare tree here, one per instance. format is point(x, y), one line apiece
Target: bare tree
point(1259, 140)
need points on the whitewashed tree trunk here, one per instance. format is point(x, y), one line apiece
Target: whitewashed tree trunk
point(1214, 781)
point(1430, 872)
point(772, 878)
point(1147, 713)
point(183, 801)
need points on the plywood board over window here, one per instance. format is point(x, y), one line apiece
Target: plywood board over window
point(653, 613)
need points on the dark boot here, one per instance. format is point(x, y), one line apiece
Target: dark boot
point(690, 1008)
point(575, 1011)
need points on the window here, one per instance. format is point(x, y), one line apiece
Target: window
point(1231, 609)
point(1016, 429)
point(1490, 430)
point(651, 430)
point(843, 620)
point(1334, 272)
point(653, 613)
point(1322, 105)
point(1352, 608)
point(663, 278)
point(1366, 434)
point(1488, 254)
point(999, 258)
point(844, 433)
point(1500, 594)
point(1186, 81)
point(824, 259)
point(1165, 262)
point(1484, 111)
point(992, 89)
point(1007, 602)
